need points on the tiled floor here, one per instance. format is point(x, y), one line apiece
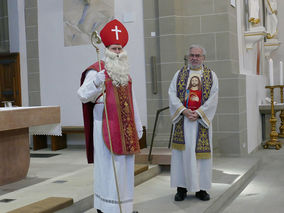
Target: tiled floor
point(45, 178)
point(265, 193)
point(68, 175)
point(156, 195)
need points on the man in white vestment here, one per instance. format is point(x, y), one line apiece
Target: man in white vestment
point(121, 121)
point(192, 112)
point(271, 18)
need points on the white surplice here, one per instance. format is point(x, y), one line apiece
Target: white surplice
point(186, 170)
point(105, 193)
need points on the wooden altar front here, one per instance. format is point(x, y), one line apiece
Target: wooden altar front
point(14, 138)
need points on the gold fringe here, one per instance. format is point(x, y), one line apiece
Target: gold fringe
point(177, 112)
point(180, 147)
point(203, 116)
point(203, 155)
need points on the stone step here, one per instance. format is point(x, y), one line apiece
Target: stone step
point(159, 155)
point(139, 168)
point(82, 205)
point(152, 188)
point(47, 205)
point(230, 175)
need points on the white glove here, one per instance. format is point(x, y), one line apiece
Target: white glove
point(100, 78)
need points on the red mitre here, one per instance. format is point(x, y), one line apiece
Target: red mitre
point(114, 32)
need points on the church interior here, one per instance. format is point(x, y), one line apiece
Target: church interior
point(46, 45)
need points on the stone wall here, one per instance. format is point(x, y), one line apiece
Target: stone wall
point(212, 24)
point(4, 29)
point(32, 52)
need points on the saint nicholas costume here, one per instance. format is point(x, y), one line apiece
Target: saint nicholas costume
point(191, 162)
point(124, 125)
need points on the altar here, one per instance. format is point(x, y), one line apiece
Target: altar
point(15, 124)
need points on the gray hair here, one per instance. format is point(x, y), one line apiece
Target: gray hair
point(198, 46)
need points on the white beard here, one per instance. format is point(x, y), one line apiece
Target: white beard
point(194, 66)
point(117, 67)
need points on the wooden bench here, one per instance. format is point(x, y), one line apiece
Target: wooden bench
point(48, 205)
point(57, 142)
point(60, 142)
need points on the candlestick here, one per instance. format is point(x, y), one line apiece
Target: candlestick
point(281, 73)
point(270, 72)
point(273, 141)
point(281, 128)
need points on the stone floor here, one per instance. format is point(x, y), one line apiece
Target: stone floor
point(68, 175)
point(63, 175)
point(265, 193)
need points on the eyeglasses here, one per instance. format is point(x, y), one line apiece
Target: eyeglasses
point(195, 55)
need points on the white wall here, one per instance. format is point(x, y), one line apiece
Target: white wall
point(17, 37)
point(255, 84)
point(278, 55)
point(61, 67)
point(255, 94)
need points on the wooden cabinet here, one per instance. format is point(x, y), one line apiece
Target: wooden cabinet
point(10, 80)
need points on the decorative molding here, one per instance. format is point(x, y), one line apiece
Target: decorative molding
point(271, 45)
point(254, 35)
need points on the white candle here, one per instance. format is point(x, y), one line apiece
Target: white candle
point(281, 73)
point(271, 72)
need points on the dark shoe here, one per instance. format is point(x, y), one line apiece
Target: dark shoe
point(135, 212)
point(99, 211)
point(202, 195)
point(181, 194)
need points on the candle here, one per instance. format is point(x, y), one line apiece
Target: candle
point(281, 73)
point(271, 72)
